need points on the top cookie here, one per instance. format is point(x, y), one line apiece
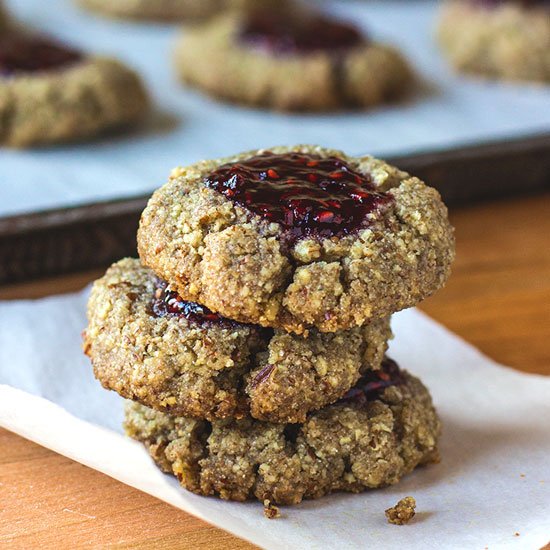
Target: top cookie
point(298, 237)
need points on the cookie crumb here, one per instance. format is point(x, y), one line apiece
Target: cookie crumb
point(270, 510)
point(516, 534)
point(402, 512)
point(435, 458)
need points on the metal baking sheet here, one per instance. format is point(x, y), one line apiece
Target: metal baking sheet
point(81, 237)
point(448, 112)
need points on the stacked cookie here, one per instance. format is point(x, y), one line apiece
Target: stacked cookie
point(251, 335)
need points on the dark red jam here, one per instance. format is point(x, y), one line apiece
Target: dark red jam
point(23, 53)
point(166, 302)
point(306, 194)
point(524, 3)
point(285, 33)
point(371, 384)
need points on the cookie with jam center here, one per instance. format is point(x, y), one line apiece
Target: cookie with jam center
point(148, 344)
point(51, 92)
point(290, 60)
point(298, 238)
point(171, 10)
point(371, 438)
point(505, 39)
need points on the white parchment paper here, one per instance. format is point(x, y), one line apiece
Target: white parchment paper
point(493, 481)
point(188, 126)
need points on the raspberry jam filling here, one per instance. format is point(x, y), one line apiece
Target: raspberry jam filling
point(371, 384)
point(166, 302)
point(22, 53)
point(523, 3)
point(282, 33)
point(306, 194)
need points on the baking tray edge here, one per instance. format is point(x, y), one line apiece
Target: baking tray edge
point(72, 239)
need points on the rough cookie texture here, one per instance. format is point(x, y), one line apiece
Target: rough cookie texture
point(212, 58)
point(69, 103)
point(170, 10)
point(343, 447)
point(507, 40)
point(219, 254)
point(214, 370)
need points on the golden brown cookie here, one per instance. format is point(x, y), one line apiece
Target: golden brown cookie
point(507, 39)
point(170, 10)
point(378, 433)
point(290, 60)
point(52, 93)
point(149, 345)
point(298, 237)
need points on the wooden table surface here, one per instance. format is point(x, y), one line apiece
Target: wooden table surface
point(498, 298)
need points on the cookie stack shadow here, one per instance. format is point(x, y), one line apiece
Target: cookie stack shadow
point(254, 364)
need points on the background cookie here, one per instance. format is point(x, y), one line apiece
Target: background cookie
point(52, 93)
point(3, 16)
point(504, 39)
point(367, 241)
point(148, 345)
point(290, 61)
point(170, 10)
point(368, 440)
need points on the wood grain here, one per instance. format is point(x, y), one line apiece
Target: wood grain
point(498, 298)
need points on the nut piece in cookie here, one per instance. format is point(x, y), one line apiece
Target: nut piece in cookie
point(298, 237)
point(402, 512)
point(291, 60)
point(356, 444)
point(148, 344)
point(172, 10)
point(51, 93)
point(508, 39)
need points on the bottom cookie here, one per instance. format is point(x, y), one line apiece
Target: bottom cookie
point(378, 432)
